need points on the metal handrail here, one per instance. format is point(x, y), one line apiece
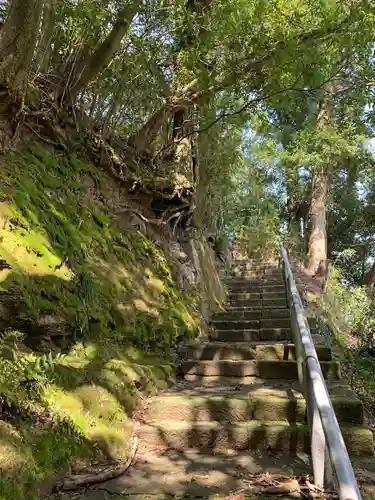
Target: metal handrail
point(330, 459)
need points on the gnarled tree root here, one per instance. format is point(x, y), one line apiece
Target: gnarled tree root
point(75, 482)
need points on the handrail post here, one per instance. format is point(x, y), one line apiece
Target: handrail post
point(317, 438)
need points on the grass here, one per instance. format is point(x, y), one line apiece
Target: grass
point(89, 316)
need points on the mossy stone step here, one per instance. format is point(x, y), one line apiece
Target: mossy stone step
point(266, 369)
point(247, 350)
point(261, 287)
point(249, 324)
point(266, 313)
point(251, 403)
point(242, 300)
point(260, 294)
point(250, 295)
point(253, 276)
point(250, 335)
point(262, 436)
point(274, 284)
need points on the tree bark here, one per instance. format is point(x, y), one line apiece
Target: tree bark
point(369, 280)
point(103, 54)
point(18, 42)
point(45, 43)
point(149, 134)
point(317, 246)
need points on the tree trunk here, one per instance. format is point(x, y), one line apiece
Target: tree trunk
point(104, 53)
point(317, 245)
point(183, 99)
point(149, 135)
point(369, 280)
point(18, 42)
point(45, 43)
point(184, 158)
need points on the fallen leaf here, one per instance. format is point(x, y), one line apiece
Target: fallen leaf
point(197, 477)
point(282, 489)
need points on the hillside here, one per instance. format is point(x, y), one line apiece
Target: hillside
point(90, 315)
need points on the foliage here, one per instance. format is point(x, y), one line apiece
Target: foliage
point(351, 309)
point(348, 310)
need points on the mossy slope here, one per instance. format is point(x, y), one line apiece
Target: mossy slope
point(89, 315)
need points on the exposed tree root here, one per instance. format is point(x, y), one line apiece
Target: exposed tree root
point(75, 482)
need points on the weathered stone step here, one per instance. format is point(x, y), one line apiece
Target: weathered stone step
point(194, 474)
point(265, 402)
point(227, 335)
point(262, 286)
point(256, 266)
point(262, 436)
point(255, 274)
point(247, 350)
point(240, 299)
point(240, 314)
point(235, 308)
point(264, 368)
point(250, 295)
point(256, 295)
point(258, 275)
point(268, 283)
point(251, 324)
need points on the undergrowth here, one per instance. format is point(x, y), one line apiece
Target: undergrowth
point(89, 317)
point(347, 311)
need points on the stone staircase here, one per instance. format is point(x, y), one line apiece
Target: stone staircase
point(239, 389)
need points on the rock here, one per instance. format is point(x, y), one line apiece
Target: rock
point(177, 252)
point(186, 276)
point(62, 496)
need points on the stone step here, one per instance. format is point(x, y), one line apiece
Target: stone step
point(251, 335)
point(261, 286)
point(257, 295)
point(240, 299)
point(255, 274)
point(194, 474)
point(265, 276)
point(257, 402)
point(247, 350)
point(269, 283)
point(251, 324)
point(255, 266)
point(259, 435)
point(264, 368)
point(240, 314)
point(234, 308)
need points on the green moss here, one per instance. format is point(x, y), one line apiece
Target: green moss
point(113, 299)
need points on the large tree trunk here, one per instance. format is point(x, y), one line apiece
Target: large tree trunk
point(369, 280)
point(45, 43)
point(317, 245)
point(178, 105)
point(103, 54)
point(18, 41)
point(148, 137)
point(184, 145)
